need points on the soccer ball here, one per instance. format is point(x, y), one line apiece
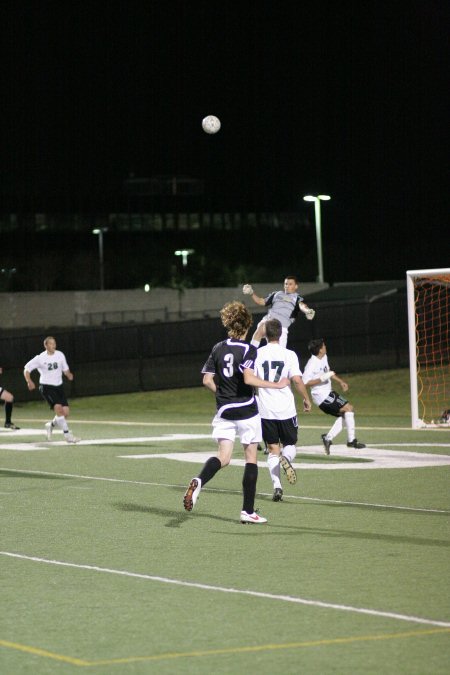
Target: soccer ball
point(211, 124)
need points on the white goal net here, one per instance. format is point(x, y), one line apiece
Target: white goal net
point(429, 346)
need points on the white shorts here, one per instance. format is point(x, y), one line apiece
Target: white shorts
point(284, 331)
point(249, 430)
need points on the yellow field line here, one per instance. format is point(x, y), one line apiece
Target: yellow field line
point(218, 652)
point(36, 651)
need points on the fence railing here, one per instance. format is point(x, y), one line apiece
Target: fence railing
point(360, 335)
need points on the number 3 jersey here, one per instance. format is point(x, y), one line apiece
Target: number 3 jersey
point(235, 400)
point(50, 366)
point(272, 363)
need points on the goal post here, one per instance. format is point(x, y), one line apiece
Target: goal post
point(428, 293)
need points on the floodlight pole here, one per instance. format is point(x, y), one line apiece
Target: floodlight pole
point(184, 253)
point(100, 231)
point(317, 199)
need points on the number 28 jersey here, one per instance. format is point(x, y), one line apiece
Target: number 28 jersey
point(50, 366)
point(235, 400)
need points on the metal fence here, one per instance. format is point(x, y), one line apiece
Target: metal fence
point(360, 335)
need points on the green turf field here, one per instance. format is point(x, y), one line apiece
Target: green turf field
point(102, 570)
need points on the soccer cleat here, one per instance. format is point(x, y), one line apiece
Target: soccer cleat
point(355, 444)
point(326, 444)
point(252, 518)
point(288, 470)
point(48, 430)
point(277, 495)
point(192, 493)
point(11, 425)
point(70, 438)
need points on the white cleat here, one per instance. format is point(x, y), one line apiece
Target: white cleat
point(252, 518)
point(70, 438)
point(192, 493)
point(48, 430)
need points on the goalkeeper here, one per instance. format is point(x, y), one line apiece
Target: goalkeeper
point(318, 376)
point(283, 305)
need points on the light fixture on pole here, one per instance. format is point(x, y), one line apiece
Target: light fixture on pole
point(184, 253)
point(100, 232)
point(317, 199)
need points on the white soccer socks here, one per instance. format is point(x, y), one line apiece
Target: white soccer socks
point(273, 462)
point(350, 424)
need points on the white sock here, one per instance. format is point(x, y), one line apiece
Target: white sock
point(350, 424)
point(273, 462)
point(290, 452)
point(60, 422)
point(335, 429)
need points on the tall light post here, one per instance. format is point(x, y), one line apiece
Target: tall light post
point(317, 199)
point(184, 253)
point(100, 232)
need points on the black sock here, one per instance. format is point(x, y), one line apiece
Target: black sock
point(249, 487)
point(210, 468)
point(8, 412)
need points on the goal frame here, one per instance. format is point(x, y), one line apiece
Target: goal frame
point(416, 422)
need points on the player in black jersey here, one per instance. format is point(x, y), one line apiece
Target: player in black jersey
point(229, 374)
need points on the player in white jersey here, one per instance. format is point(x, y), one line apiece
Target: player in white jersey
point(283, 305)
point(8, 398)
point(52, 365)
point(277, 406)
point(317, 375)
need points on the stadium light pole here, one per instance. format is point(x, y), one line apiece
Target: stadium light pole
point(184, 253)
point(100, 232)
point(317, 199)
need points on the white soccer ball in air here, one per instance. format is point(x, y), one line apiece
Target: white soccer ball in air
point(211, 124)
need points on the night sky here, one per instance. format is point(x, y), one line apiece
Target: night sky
point(345, 98)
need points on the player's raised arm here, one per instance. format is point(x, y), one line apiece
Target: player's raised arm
point(307, 311)
point(248, 290)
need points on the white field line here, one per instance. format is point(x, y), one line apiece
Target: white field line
point(222, 589)
point(202, 424)
point(227, 491)
point(377, 459)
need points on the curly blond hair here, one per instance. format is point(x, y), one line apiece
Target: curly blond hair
point(236, 318)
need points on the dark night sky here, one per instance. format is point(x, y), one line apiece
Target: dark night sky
point(340, 97)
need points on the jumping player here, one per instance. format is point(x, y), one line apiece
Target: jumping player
point(283, 305)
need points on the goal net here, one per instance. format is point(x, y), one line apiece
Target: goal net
point(429, 346)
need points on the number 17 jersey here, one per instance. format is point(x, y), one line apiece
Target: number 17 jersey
point(235, 400)
point(274, 362)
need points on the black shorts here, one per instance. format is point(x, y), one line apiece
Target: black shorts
point(333, 404)
point(53, 395)
point(280, 431)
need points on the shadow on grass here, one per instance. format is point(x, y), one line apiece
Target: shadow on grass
point(407, 510)
point(29, 474)
point(176, 518)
